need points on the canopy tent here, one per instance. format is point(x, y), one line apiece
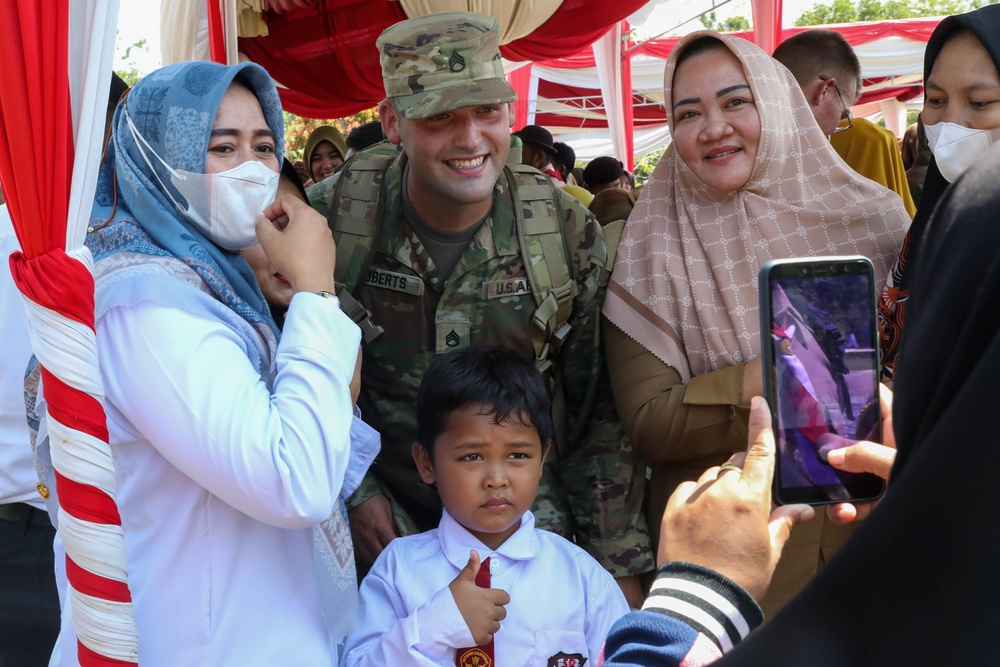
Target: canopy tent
point(565, 100)
point(323, 55)
point(320, 51)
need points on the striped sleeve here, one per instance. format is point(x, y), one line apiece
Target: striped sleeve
point(707, 601)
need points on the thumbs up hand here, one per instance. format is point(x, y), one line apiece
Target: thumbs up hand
point(482, 608)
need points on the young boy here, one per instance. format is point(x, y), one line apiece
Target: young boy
point(484, 428)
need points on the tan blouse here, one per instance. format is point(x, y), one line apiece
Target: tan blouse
point(682, 430)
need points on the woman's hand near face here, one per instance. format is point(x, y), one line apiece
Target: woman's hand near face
point(298, 241)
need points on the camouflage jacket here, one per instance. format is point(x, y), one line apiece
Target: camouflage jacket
point(592, 490)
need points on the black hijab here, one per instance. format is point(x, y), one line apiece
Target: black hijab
point(918, 583)
point(984, 23)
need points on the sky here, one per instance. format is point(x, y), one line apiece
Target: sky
point(662, 14)
point(140, 19)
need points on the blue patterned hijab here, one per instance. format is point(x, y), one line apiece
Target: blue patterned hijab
point(144, 248)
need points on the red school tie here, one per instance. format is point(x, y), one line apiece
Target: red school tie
point(478, 656)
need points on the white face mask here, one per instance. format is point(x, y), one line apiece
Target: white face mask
point(957, 148)
point(223, 206)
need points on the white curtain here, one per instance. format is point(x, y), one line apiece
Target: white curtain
point(608, 56)
point(594, 142)
point(517, 18)
point(91, 57)
point(183, 31)
point(891, 56)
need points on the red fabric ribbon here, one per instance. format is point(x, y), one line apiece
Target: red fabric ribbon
point(92, 659)
point(326, 58)
point(56, 281)
point(94, 585)
point(88, 502)
point(74, 408)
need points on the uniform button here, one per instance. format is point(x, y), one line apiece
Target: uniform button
point(43, 490)
point(494, 564)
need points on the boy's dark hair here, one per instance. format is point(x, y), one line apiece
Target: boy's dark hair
point(506, 384)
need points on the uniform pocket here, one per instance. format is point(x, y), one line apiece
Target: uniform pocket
point(560, 648)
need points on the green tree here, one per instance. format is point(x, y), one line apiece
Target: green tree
point(298, 129)
point(839, 11)
point(132, 74)
point(873, 10)
point(732, 24)
point(645, 165)
point(845, 11)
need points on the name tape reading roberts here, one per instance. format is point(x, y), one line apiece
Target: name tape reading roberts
point(395, 281)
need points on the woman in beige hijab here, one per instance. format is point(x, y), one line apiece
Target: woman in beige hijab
point(749, 177)
point(325, 149)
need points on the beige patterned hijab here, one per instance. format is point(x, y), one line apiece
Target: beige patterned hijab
point(685, 280)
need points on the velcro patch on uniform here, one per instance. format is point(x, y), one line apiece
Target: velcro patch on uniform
point(453, 330)
point(399, 282)
point(512, 287)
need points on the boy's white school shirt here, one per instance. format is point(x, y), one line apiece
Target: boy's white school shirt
point(561, 600)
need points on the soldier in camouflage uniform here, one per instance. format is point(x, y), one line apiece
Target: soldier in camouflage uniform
point(446, 269)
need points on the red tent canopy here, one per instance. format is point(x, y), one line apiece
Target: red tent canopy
point(324, 56)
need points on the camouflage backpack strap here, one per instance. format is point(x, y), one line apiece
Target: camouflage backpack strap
point(358, 201)
point(613, 232)
point(546, 259)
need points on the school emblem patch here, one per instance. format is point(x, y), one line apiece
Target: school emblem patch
point(475, 657)
point(562, 659)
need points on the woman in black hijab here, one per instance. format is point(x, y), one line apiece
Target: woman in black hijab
point(917, 584)
point(961, 118)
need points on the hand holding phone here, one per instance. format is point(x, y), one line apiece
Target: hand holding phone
point(820, 366)
point(865, 456)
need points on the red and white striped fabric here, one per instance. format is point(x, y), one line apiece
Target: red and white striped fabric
point(53, 88)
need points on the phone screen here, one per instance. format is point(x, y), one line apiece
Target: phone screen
point(823, 366)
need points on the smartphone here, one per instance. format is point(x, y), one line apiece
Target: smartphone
point(820, 360)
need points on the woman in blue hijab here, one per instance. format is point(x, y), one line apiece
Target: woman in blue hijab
point(229, 445)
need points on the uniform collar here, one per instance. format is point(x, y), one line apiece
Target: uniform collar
point(457, 541)
point(397, 238)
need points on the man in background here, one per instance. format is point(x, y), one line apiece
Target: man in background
point(564, 162)
point(538, 150)
point(829, 74)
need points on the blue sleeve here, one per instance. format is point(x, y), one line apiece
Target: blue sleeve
point(643, 638)
point(692, 616)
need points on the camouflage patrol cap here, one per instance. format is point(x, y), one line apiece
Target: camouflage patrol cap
point(441, 62)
